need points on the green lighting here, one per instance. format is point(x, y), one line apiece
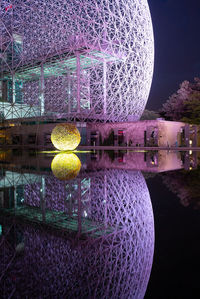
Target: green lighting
point(58, 68)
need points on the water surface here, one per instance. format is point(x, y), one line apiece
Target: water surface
point(103, 224)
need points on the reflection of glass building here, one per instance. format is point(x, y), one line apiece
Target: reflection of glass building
point(107, 251)
point(75, 61)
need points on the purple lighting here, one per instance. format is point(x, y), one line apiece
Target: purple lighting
point(110, 254)
point(85, 59)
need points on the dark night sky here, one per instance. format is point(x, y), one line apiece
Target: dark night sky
point(176, 26)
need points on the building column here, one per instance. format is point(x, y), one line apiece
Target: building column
point(194, 139)
point(5, 90)
point(104, 87)
point(41, 97)
point(116, 143)
point(105, 202)
point(42, 199)
point(187, 135)
point(13, 89)
point(78, 72)
point(79, 208)
point(88, 136)
point(68, 92)
point(15, 197)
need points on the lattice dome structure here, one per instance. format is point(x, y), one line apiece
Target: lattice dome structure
point(112, 259)
point(77, 60)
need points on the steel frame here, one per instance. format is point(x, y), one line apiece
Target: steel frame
point(79, 59)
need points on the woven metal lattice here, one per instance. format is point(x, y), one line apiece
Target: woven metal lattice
point(75, 59)
point(111, 261)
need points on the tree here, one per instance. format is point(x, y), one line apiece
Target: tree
point(191, 113)
point(184, 105)
point(185, 184)
point(148, 114)
point(172, 109)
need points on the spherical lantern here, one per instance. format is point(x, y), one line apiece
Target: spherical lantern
point(119, 228)
point(65, 137)
point(65, 166)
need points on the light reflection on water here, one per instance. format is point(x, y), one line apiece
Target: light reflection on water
point(87, 237)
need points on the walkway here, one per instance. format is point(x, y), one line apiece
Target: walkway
point(138, 148)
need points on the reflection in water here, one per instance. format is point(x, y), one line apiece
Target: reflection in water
point(65, 136)
point(151, 161)
point(91, 237)
point(65, 166)
point(186, 185)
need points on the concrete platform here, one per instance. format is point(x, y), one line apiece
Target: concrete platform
point(138, 148)
point(110, 147)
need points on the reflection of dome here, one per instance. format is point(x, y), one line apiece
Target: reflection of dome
point(116, 263)
point(65, 166)
point(65, 137)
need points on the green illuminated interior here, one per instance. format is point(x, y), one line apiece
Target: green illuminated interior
point(59, 220)
point(59, 67)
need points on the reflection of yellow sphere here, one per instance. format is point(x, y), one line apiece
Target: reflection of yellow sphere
point(65, 166)
point(65, 137)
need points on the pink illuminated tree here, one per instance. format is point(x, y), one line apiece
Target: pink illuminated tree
point(184, 105)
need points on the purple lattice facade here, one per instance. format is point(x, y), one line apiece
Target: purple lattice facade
point(114, 263)
point(76, 59)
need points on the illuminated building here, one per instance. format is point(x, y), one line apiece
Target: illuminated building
point(82, 237)
point(76, 61)
point(145, 133)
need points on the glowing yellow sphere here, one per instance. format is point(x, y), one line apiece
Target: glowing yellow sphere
point(65, 137)
point(65, 166)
